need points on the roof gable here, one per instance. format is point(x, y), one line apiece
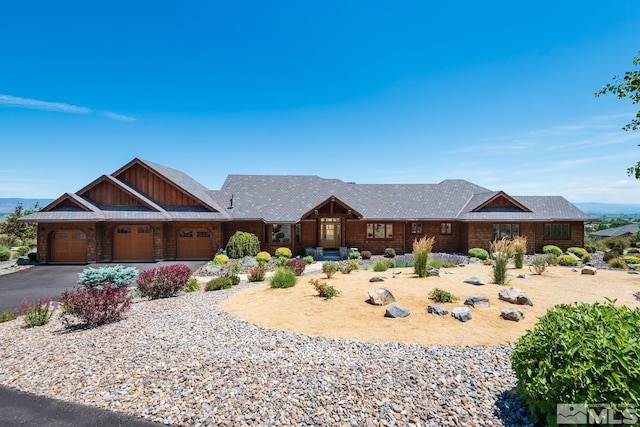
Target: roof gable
point(501, 202)
point(70, 202)
point(332, 206)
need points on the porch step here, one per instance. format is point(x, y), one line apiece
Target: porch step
point(330, 255)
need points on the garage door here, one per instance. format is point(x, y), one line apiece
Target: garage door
point(195, 243)
point(133, 243)
point(69, 246)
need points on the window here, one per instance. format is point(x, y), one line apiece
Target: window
point(281, 233)
point(445, 228)
point(124, 230)
point(380, 231)
point(186, 234)
point(561, 230)
point(416, 228)
point(506, 231)
point(60, 236)
point(203, 234)
point(78, 236)
point(144, 229)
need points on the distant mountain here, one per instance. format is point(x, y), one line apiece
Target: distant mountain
point(593, 208)
point(7, 206)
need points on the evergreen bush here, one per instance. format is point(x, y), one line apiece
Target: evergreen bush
point(221, 260)
point(380, 266)
point(308, 259)
point(579, 252)
point(5, 253)
point(479, 253)
point(116, 276)
point(567, 261)
point(219, 283)
point(283, 252)
point(283, 278)
point(263, 256)
point(552, 249)
point(243, 244)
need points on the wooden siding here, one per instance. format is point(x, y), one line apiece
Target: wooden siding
point(107, 194)
point(156, 188)
point(576, 237)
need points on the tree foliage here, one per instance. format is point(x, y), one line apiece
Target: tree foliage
point(627, 87)
point(22, 230)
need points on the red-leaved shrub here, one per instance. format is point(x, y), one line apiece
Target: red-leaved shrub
point(163, 282)
point(95, 307)
point(297, 265)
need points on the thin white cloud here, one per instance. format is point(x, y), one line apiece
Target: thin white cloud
point(15, 101)
point(36, 104)
point(116, 116)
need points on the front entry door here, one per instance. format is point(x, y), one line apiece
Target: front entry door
point(330, 232)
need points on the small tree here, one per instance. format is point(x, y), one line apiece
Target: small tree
point(24, 231)
point(243, 244)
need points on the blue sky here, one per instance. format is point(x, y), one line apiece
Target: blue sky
point(497, 93)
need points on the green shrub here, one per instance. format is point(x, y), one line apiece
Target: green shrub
point(281, 261)
point(235, 279)
point(365, 254)
point(243, 244)
point(256, 274)
point(567, 261)
point(263, 257)
point(9, 241)
point(618, 244)
point(390, 263)
point(436, 263)
point(633, 251)
point(617, 263)
point(218, 283)
point(421, 250)
point(220, 259)
point(8, 315)
point(519, 248)
point(552, 249)
point(583, 353)
point(538, 264)
point(308, 259)
point(380, 266)
point(587, 258)
point(478, 253)
point(439, 295)
point(236, 268)
point(116, 276)
point(500, 254)
point(630, 259)
point(192, 285)
point(283, 278)
point(283, 253)
point(610, 255)
point(389, 253)
point(354, 255)
point(330, 268)
point(324, 290)
point(23, 250)
point(5, 253)
point(590, 247)
point(579, 252)
point(36, 313)
point(552, 259)
point(353, 265)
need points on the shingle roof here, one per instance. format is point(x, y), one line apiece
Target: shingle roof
point(617, 231)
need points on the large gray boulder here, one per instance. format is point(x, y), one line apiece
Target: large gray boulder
point(381, 297)
point(478, 302)
point(377, 279)
point(589, 270)
point(395, 311)
point(437, 310)
point(463, 314)
point(433, 272)
point(514, 296)
point(475, 281)
point(249, 261)
point(512, 314)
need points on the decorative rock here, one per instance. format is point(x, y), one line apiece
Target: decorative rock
point(395, 311)
point(433, 272)
point(436, 310)
point(512, 314)
point(572, 255)
point(524, 276)
point(514, 296)
point(633, 272)
point(249, 261)
point(449, 272)
point(381, 297)
point(589, 270)
point(478, 302)
point(637, 295)
point(475, 281)
point(377, 279)
point(463, 314)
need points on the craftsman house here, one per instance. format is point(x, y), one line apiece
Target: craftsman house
point(145, 212)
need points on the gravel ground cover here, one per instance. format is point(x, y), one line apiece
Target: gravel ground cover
point(184, 361)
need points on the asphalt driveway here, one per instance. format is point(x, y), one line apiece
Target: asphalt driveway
point(42, 281)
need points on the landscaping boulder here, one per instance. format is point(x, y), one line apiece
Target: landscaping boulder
point(248, 261)
point(210, 270)
point(436, 310)
point(395, 311)
point(463, 314)
point(512, 314)
point(637, 295)
point(572, 255)
point(433, 272)
point(588, 270)
point(377, 279)
point(524, 276)
point(514, 296)
point(478, 302)
point(475, 281)
point(380, 297)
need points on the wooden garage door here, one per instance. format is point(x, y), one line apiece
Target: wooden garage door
point(195, 243)
point(133, 243)
point(69, 246)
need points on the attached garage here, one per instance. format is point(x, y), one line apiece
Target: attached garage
point(133, 242)
point(69, 246)
point(195, 243)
